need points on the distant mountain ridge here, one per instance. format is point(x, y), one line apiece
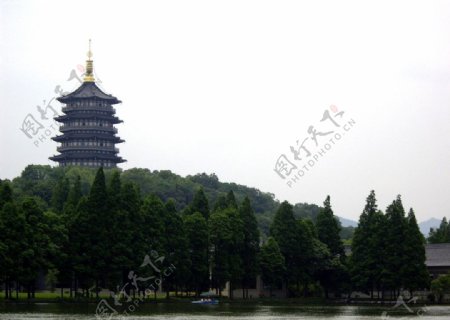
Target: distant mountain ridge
point(424, 226)
point(347, 222)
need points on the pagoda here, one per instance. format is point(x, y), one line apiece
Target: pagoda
point(88, 136)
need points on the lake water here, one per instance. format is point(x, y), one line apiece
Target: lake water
point(235, 311)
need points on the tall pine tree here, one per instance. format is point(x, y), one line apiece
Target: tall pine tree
point(176, 248)
point(441, 234)
point(196, 228)
point(290, 237)
point(250, 247)
point(272, 265)
point(200, 204)
point(59, 194)
point(396, 230)
point(415, 272)
point(328, 229)
point(366, 261)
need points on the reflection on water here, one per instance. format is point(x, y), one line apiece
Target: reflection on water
point(235, 311)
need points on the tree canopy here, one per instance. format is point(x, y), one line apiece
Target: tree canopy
point(92, 229)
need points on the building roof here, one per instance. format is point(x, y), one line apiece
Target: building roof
point(438, 255)
point(88, 90)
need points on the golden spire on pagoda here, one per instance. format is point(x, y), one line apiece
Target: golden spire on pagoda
point(89, 75)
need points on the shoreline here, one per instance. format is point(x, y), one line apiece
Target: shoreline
point(223, 300)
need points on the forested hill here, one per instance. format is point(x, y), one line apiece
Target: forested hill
point(46, 182)
point(42, 181)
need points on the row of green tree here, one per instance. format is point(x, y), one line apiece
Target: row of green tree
point(102, 240)
point(98, 239)
point(440, 234)
point(388, 250)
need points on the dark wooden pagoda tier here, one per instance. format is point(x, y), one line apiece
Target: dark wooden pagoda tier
point(88, 134)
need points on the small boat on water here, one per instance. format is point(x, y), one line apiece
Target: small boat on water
point(206, 301)
point(207, 298)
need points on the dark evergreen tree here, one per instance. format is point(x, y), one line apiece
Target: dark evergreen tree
point(14, 247)
point(307, 256)
point(226, 235)
point(220, 236)
point(5, 193)
point(231, 200)
point(114, 192)
point(200, 204)
point(59, 194)
point(321, 261)
point(323, 267)
point(80, 239)
point(198, 237)
point(367, 248)
point(3, 252)
point(176, 247)
point(441, 234)
point(74, 193)
point(90, 233)
point(415, 271)
point(395, 259)
point(134, 244)
point(153, 211)
point(38, 181)
point(440, 286)
point(38, 242)
point(56, 256)
point(221, 203)
point(235, 262)
point(121, 233)
point(285, 231)
point(101, 230)
point(250, 247)
point(328, 229)
point(68, 252)
point(131, 204)
point(272, 264)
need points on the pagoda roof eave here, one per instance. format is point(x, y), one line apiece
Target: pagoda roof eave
point(82, 156)
point(88, 90)
point(113, 119)
point(69, 136)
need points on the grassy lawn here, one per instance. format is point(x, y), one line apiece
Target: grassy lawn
point(56, 295)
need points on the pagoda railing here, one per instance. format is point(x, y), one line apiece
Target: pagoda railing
point(103, 128)
point(103, 148)
point(84, 116)
point(96, 108)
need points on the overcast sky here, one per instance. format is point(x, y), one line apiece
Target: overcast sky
point(227, 87)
